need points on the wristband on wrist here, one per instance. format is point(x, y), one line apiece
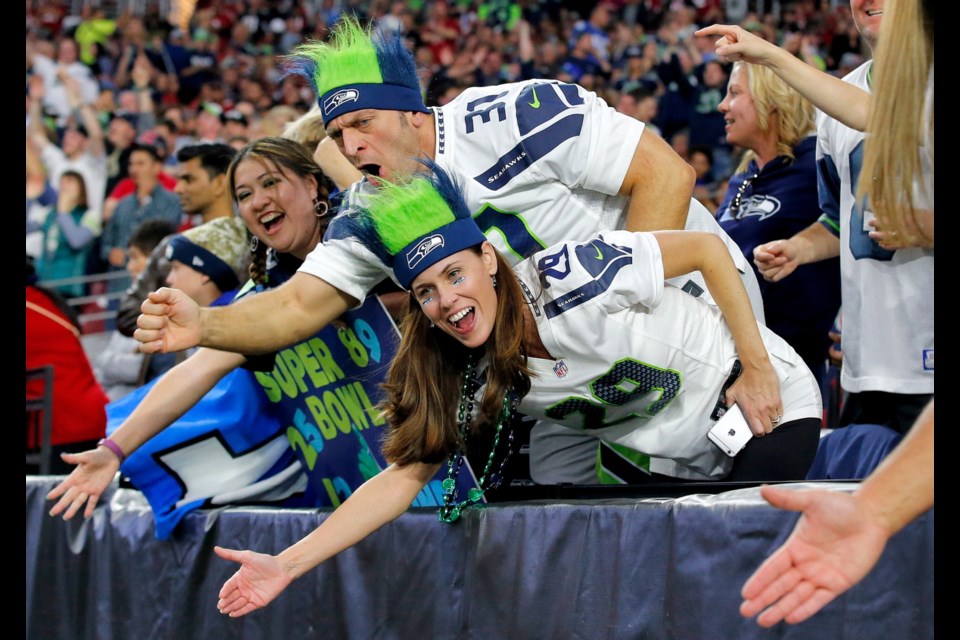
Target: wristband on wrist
point(114, 447)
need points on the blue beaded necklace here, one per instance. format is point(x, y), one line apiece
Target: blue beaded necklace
point(451, 508)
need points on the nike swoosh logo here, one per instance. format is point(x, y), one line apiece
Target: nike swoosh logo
point(599, 255)
point(536, 101)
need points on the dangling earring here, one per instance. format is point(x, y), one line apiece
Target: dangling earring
point(254, 244)
point(320, 208)
point(494, 278)
point(432, 326)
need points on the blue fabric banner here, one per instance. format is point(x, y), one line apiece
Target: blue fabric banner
point(305, 434)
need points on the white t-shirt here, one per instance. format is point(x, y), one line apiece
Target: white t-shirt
point(539, 162)
point(887, 295)
point(637, 362)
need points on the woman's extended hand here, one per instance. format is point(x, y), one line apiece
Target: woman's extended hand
point(94, 473)
point(256, 583)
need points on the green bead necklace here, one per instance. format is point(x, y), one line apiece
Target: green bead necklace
point(451, 508)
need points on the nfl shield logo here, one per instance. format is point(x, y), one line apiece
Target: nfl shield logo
point(560, 369)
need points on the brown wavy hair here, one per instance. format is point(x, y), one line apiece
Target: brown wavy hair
point(424, 382)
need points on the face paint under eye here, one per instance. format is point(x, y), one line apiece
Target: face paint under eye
point(459, 281)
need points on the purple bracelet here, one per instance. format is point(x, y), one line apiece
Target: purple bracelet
point(113, 446)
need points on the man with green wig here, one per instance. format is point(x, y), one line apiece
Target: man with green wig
point(538, 162)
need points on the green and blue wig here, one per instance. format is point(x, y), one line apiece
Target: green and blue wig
point(358, 69)
point(413, 224)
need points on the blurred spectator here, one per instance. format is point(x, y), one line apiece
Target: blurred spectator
point(120, 367)
point(150, 200)
point(69, 230)
point(805, 47)
point(39, 196)
point(394, 22)
point(202, 190)
point(53, 338)
point(121, 133)
point(638, 70)
point(93, 33)
point(541, 61)
point(440, 32)
point(501, 15)
point(596, 31)
point(583, 60)
point(490, 70)
point(234, 124)
point(209, 123)
point(82, 147)
point(706, 122)
point(680, 142)
point(705, 188)
point(640, 103)
point(202, 66)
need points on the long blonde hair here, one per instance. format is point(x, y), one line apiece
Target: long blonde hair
point(771, 94)
point(898, 122)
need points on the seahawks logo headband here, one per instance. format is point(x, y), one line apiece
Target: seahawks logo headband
point(413, 224)
point(358, 69)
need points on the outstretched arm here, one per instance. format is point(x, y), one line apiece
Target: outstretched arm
point(757, 390)
point(840, 537)
point(172, 396)
point(838, 99)
point(261, 577)
point(171, 321)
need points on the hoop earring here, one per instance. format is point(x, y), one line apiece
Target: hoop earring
point(318, 211)
point(254, 244)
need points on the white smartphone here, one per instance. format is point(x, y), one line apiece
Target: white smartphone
point(731, 433)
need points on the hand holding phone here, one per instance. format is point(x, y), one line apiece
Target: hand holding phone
point(731, 433)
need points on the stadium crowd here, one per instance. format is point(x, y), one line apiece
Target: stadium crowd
point(134, 113)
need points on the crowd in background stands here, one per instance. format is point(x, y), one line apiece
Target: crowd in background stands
point(101, 87)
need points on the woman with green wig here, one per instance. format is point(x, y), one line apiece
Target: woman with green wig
point(586, 334)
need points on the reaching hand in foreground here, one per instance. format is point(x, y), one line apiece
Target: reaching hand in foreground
point(835, 543)
point(256, 583)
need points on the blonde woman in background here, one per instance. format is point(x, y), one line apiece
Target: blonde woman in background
point(773, 195)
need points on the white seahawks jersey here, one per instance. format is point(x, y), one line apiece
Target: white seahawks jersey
point(637, 362)
point(887, 295)
point(539, 162)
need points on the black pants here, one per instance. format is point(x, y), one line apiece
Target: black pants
point(784, 454)
point(895, 410)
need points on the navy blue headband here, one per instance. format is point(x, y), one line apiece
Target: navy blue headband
point(429, 249)
point(207, 263)
point(354, 97)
